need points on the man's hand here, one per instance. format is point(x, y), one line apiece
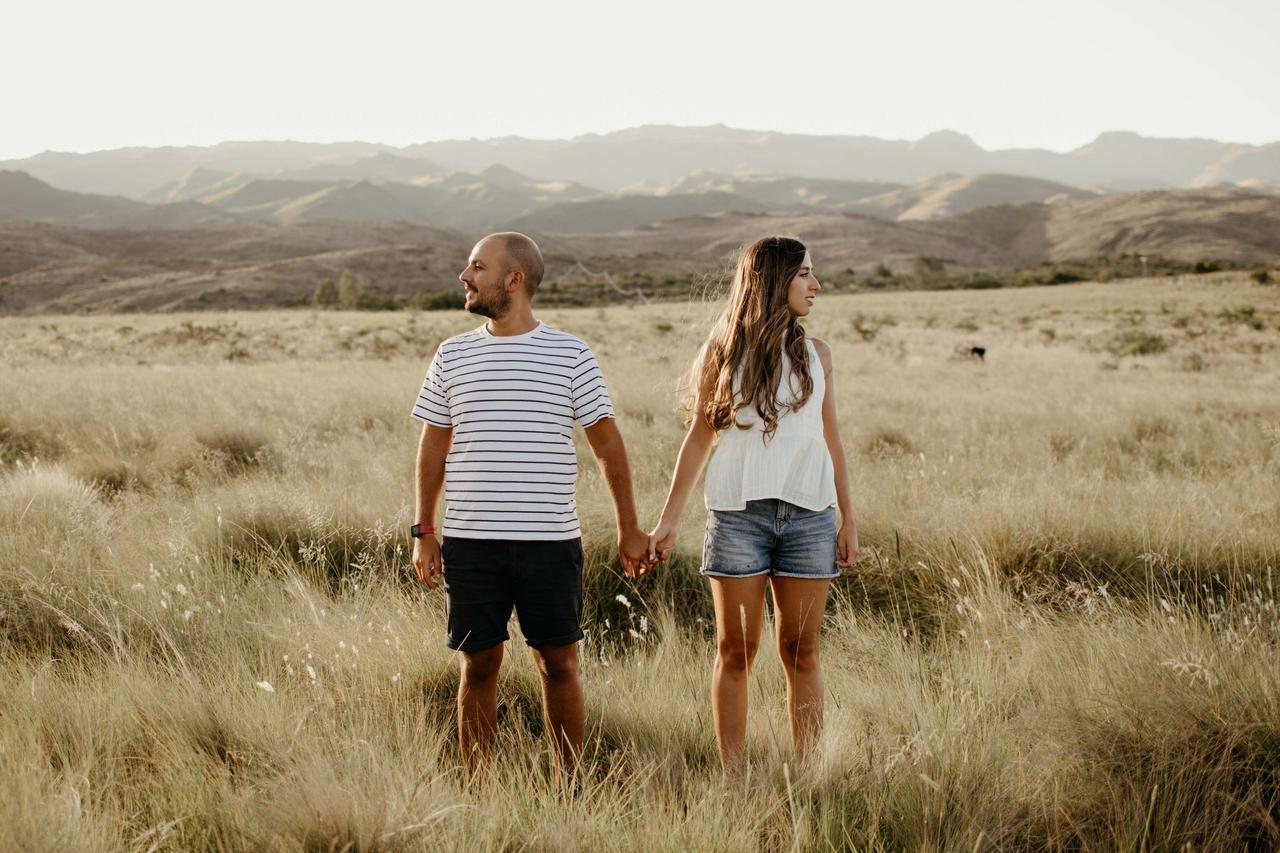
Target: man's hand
point(633, 550)
point(847, 546)
point(427, 560)
point(662, 540)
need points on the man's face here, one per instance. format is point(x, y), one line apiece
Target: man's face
point(484, 281)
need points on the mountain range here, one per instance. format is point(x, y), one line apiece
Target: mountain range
point(242, 225)
point(649, 158)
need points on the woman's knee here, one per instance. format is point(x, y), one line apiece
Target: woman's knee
point(737, 653)
point(799, 652)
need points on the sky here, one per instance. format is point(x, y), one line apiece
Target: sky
point(84, 76)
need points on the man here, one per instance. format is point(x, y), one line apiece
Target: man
point(499, 405)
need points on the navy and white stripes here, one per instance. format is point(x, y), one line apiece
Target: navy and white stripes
point(512, 403)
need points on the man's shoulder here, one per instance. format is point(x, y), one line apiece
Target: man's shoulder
point(462, 339)
point(552, 334)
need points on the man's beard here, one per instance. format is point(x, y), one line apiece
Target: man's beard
point(493, 307)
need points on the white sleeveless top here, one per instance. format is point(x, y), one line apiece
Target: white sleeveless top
point(793, 464)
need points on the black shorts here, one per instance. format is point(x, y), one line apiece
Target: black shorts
point(485, 578)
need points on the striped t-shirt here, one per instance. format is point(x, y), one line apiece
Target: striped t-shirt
point(512, 403)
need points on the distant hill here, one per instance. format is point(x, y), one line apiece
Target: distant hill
point(783, 193)
point(650, 158)
point(631, 211)
point(488, 200)
point(24, 197)
point(1184, 224)
point(55, 268)
point(194, 184)
point(135, 172)
point(947, 196)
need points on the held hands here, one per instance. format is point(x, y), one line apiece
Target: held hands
point(427, 560)
point(633, 551)
point(661, 541)
point(846, 546)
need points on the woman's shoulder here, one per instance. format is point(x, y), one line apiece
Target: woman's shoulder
point(824, 353)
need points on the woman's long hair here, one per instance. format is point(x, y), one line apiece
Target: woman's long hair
point(750, 335)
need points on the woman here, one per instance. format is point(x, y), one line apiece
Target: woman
point(765, 390)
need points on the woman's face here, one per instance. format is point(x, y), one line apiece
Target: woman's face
point(803, 289)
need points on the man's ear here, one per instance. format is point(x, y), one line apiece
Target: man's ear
point(516, 278)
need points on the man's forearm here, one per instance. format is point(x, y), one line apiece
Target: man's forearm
point(611, 454)
point(617, 476)
point(429, 479)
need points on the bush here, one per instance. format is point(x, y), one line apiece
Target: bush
point(23, 443)
point(355, 295)
point(326, 295)
point(1136, 342)
point(441, 300)
point(886, 443)
point(928, 271)
point(1261, 276)
point(233, 451)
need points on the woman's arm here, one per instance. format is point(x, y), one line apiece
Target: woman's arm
point(847, 537)
point(694, 451)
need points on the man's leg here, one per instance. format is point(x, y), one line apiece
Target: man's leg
point(478, 705)
point(562, 703)
point(549, 606)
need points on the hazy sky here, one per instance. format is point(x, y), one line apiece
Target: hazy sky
point(81, 76)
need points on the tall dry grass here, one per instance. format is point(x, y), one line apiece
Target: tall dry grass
point(1062, 633)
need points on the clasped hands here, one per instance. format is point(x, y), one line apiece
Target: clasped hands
point(640, 552)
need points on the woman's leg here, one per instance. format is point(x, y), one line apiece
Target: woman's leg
point(739, 609)
point(798, 607)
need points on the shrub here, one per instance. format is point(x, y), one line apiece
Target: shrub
point(441, 300)
point(928, 271)
point(355, 295)
point(18, 442)
point(868, 327)
point(234, 451)
point(982, 281)
point(887, 442)
point(1136, 342)
point(1245, 315)
point(325, 295)
point(1261, 276)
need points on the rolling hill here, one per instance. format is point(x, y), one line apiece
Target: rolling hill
point(48, 268)
point(646, 159)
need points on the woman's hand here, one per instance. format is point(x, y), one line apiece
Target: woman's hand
point(662, 540)
point(846, 546)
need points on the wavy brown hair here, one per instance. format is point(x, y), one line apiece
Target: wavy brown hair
point(751, 334)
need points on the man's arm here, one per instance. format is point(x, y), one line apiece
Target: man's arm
point(606, 443)
point(433, 447)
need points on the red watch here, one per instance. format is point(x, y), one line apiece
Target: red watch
point(417, 531)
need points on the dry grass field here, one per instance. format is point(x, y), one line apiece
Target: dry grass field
point(1062, 633)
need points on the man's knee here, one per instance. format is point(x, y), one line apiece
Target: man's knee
point(481, 668)
point(557, 664)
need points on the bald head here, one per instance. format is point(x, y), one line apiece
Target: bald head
point(521, 255)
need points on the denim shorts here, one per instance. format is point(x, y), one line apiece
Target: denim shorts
point(770, 537)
